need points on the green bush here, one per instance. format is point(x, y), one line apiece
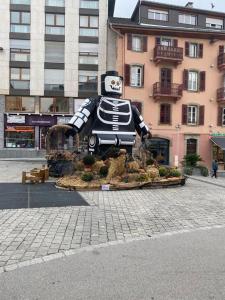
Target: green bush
point(192, 159)
point(149, 162)
point(87, 176)
point(103, 172)
point(89, 160)
point(174, 173)
point(142, 178)
point(188, 170)
point(204, 171)
point(163, 171)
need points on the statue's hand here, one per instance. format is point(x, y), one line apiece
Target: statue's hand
point(147, 136)
point(71, 131)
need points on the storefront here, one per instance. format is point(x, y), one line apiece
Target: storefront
point(160, 150)
point(218, 149)
point(30, 130)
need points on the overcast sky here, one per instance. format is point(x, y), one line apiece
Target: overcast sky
point(124, 8)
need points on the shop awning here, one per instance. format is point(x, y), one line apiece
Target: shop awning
point(219, 141)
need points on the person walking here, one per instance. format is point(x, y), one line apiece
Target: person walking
point(214, 168)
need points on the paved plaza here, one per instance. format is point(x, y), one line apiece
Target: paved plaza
point(35, 235)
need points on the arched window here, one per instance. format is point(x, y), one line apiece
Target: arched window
point(192, 146)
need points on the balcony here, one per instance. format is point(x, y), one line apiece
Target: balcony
point(221, 95)
point(168, 54)
point(221, 61)
point(172, 91)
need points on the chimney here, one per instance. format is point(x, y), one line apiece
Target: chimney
point(189, 5)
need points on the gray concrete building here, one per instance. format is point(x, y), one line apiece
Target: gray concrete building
point(52, 53)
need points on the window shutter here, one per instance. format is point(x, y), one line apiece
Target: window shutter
point(219, 116)
point(129, 41)
point(202, 81)
point(145, 43)
point(184, 114)
point(143, 76)
point(127, 75)
point(185, 80)
point(157, 41)
point(200, 50)
point(175, 43)
point(201, 115)
point(221, 49)
point(186, 48)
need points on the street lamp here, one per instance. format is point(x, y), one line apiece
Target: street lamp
point(176, 158)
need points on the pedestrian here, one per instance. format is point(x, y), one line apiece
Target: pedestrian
point(214, 168)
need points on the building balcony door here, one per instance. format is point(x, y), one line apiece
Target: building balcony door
point(166, 80)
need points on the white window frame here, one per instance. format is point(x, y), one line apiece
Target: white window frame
point(214, 23)
point(136, 76)
point(193, 50)
point(137, 43)
point(164, 41)
point(187, 19)
point(193, 81)
point(158, 15)
point(192, 114)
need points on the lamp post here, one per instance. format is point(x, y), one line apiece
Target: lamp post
point(176, 157)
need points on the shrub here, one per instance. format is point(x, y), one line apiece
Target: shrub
point(142, 177)
point(89, 160)
point(188, 170)
point(149, 161)
point(163, 171)
point(112, 152)
point(191, 160)
point(175, 173)
point(103, 172)
point(204, 171)
point(87, 177)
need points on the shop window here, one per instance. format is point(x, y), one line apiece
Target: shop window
point(54, 105)
point(191, 146)
point(20, 104)
point(19, 137)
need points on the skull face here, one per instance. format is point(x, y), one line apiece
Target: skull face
point(113, 84)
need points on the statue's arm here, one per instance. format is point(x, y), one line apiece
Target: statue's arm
point(140, 126)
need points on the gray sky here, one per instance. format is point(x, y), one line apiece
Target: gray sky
point(124, 8)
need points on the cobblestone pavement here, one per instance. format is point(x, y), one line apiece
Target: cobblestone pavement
point(31, 234)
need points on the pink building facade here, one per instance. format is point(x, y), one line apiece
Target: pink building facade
point(173, 63)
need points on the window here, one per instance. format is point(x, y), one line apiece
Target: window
point(136, 43)
point(193, 50)
point(136, 76)
point(20, 22)
point(191, 146)
point(19, 104)
point(54, 52)
point(54, 80)
point(89, 4)
point(56, 105)
point(192, 115)
point(166, 42)
point(24, 2)
point(192, 81)
point(187, 19)
point(19, 50)
point(88, 80)
point(59, 3)
point(88, 53)
point(159, 15)
point(89, 26)
point(214, 23)
point(19, 137)
point(223, 116)
point(55, 24)
point(20, 78)
point(165, 113)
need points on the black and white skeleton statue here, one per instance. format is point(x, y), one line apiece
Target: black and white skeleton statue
point(110, 121)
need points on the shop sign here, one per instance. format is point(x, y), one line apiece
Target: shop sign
point(63, 120)
point(217, 134)
point(41, 120)
point(15, 119)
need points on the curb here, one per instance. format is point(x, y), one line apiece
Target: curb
point(207, 182)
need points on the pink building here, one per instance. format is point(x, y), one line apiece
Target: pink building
point(173, 62)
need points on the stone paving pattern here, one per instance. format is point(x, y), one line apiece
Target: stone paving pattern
point(27, 234)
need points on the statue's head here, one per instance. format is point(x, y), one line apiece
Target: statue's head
point(111, 84)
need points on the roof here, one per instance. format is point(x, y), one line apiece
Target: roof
point(178, 7)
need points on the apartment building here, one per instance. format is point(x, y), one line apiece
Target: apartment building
point(52, 53)
point(173, 62)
